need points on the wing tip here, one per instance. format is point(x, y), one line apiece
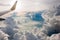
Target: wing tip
point(14, 6)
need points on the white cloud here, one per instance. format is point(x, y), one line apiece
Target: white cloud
point(24, 28)
point(3, 36)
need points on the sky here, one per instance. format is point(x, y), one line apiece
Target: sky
point(4, 5)
point(28, 5)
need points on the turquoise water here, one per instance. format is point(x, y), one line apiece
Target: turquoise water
point(37, 17)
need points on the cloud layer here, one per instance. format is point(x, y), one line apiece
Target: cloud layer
point(38, 25)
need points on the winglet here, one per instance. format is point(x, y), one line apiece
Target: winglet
point(14, 6)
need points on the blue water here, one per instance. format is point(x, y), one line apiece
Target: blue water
point(36, 16)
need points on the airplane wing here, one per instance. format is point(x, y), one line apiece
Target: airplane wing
point(13, 8)
point(5, 12)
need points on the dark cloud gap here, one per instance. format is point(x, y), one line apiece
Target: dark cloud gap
point(55, 29)
point(58, 11)
point(52, 32)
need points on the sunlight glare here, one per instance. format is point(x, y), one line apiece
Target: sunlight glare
point(19, 6)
